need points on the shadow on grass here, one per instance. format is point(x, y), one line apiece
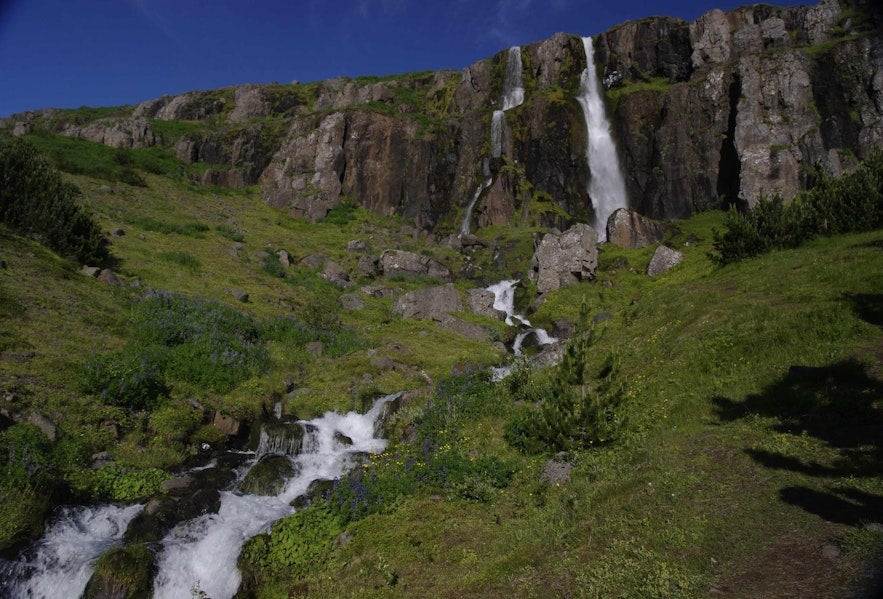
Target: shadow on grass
point(839, 404)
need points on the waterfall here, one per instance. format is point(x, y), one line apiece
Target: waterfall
point(197, 556)
point(497, 134)
point(606, 185)
point(504, 300)
point(513, 91)
point(464, 226)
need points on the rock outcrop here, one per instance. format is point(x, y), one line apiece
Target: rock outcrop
point(628, 229)
point(563, 259)
point(720, 111)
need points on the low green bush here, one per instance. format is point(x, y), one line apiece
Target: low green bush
point(832, 205)
point(36, 202)
point(131, 379)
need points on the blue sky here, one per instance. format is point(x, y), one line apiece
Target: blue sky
point(70, 53)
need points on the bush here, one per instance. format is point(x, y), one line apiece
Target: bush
point(36, 202)
point(130, 379)
point(832, 206)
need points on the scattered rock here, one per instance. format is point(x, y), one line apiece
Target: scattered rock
point(268, 476)
point(467, 329)
point(179, 485)
point(563, 259)
point(831, 552)
point(351, 301)
point(203, 501)
point(284, 258)
point(315, 348)
point(367, 267)
point(663, 259)
point(109, 277)
point(557, 470)
point(342, 439)
point(357, 245)
point(90, 271)
point(429, 302)
point(46, 426)
point(241, 295)
point(226, 424)
point(481, 301)
point(628, 229)
point(401, 263)
point(118, 232)
point(100, 460)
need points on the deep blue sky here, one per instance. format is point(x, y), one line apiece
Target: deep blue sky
point(70, 53)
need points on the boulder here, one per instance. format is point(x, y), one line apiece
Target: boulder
point(226, 424)
point(180, 485)
point(122, 572)
point(429, 302)
point(351, 301)
point(628, 229)
point(203, 501)
point(481, 301)
point(663, 259)
point(241, 295)
point(563, 259)
point(462, 327)
point(45, 425)
point(401, 263)
point(268, 476)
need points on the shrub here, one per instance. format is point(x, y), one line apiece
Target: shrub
point(577, 410)
point(833, 205)
point(130, 379)
point(36, 202)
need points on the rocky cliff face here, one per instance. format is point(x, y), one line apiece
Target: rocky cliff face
point(719, 111)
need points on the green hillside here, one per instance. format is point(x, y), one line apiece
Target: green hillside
point(745, 402)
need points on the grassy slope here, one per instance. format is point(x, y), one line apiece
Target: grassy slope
point(703, 494)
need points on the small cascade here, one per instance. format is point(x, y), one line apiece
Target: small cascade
point(279, 438)
point(198, 557)
point(467, 218)
point(61, 563)
point(606, 185)
point(504, 300)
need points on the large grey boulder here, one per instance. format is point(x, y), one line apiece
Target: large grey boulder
point(481, 301)
point(563, 259)
point(401, 263)
point(663, 259)
point(431, 302)
point(628, 229)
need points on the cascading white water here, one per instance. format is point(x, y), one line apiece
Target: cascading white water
point(65, 557)
point(198, 556)
point(504, 300)
point(497, 133)
point(606, 185)
point(513, 89)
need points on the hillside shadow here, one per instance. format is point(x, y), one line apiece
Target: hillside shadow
point(835, 404)
point(867, 306)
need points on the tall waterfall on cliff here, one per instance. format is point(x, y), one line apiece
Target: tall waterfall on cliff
point(606, 185)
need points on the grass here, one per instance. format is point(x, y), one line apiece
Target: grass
point(733, 377)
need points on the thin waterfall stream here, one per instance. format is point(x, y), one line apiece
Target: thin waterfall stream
point(198, 555)
point(512, 96)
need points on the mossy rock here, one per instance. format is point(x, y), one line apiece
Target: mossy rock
point(122, 573)
point(268, 476)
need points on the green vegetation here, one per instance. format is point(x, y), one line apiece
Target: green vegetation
point(832, 206)
point(715, 430)
point(36, 201)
